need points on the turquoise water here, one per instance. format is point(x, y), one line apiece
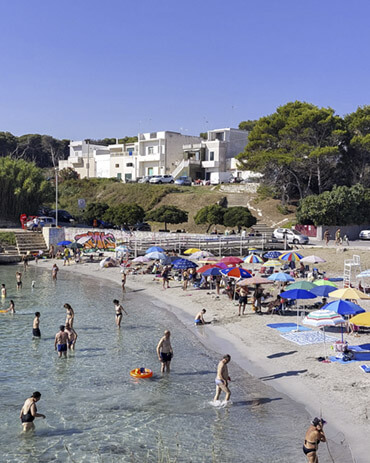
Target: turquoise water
point(97, 413)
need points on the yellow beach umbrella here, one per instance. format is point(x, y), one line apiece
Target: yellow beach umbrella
point(362, 319)
point(273, 263)
point(349, 293)
point(191, 250)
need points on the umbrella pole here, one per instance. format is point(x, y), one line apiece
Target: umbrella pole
point(326, 356)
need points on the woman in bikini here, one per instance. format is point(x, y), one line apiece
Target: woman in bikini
point(313, 437)
point(29, 412)
point(70, 315)
point(119, 312)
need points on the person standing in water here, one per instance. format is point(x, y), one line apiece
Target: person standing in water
point(70, 315)
point(54, 272)
point(165, 352)
point(36, 326)
point(18, 277)
point(72, 336)
point(3, 290)
point(314, 435)
point(60, 343)
point(119, 312)
point(29, 412)
point(11, 307)
point(223, 378)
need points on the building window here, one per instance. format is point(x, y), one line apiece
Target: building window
point(116, 165)
point(119, 176)
point(211, 155)
point(153, 135)
point(150, 149)
point(129, 164)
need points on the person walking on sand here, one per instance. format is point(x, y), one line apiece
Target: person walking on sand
point(36, 326)
point(326, 237)
point(54, 272)
point(119, 312)
point(18, 277)
point(70, 315)
point(314, 435)
point(123, 280)
point(165, 352)
point(165, 277)
point(72, 336)
point(29, 412)
point(338, 240)
point(61, 340)
point(222, 379)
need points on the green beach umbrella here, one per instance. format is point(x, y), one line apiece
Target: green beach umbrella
point(301, 285)
point(324, 282)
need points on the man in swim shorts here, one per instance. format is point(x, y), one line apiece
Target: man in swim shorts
point(36, 326)
point(18, 277)
point(165, 352)
point(314, 435)
point(199, 320)
point(119, 312)
point(243, 299)
point(61, 340)
point(72, 336)
point(29, 412)
point(223, 378)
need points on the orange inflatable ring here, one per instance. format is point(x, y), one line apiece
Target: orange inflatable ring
point(141, 373)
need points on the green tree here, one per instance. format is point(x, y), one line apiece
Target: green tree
point(23, 188)
point(211, 215)
point(127, 140)
point(68, 174)
point(124, 214)
point(167, 214)
point(296, 149)
point(239, 217)
point(247, 125)
point(95, 211)
point(203, 135)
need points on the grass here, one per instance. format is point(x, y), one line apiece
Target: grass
point(7, 238)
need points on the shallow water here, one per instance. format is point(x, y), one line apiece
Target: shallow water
point(97, 413)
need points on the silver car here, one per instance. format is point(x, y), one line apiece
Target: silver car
point(292, 236)
point(162, 179)
point(364, 235)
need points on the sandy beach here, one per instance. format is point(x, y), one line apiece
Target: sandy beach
point(341, 393)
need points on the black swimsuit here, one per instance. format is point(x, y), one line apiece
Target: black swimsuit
point(27, 417)
point(306, 450)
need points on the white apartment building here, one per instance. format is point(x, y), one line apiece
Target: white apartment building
point(82, 158)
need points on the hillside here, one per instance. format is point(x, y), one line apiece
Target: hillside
point(190, 199)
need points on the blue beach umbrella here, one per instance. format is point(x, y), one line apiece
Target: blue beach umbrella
point(272, 255)
point(212, 271)
point(281, 276)
point(236, 272)
point(343, 307)
point(156, 255)
point(183, 264)
point(298, 294)
point(64, 243)
point(154, 249)
point(323, 290)
point(168, 260)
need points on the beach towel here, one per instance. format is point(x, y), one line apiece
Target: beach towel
point(340, 360)
point(287, 327)
point(365, 368)
point(308, 337)
point(360, 348)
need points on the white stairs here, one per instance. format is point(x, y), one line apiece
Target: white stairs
point(182, 165)
point(351, 266)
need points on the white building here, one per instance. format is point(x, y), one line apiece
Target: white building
point(82, 158)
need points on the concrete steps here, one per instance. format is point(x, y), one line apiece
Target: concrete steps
point(28, 241)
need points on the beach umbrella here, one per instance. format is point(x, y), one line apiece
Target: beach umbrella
point(154, 249)
point(272, 255)
point(141, 259)
point(349, 293)
point(273, 263)
point(301, 285)
point(291, 256)
point(256, 280)
point(212, 271)
point(191, 251)
point(169, 260)
point(253, 259)
point(298, 294)
point(206, 260)
point(313, 260)
point(343, 307)
point(364, 274)
point(231, 260)
point(362, 319)
point(201, 255)
point(252, 249)
point(322, 318)
point(64, 243)
point(75, 245)
point(323, 290)
point(324, 282)
point(156, 255)
point(183, 264)
point(236, 272)
point(220, 266)
point(281, 276)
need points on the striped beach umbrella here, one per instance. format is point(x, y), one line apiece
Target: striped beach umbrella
point(273, 263)
point(236, 272)
point(253, 259)
point(291, 255)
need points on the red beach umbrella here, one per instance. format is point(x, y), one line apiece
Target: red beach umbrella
point(231, 260)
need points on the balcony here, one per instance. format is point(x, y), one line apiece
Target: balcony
point(210, 164)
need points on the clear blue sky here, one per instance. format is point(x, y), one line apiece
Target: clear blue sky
point(93, 68)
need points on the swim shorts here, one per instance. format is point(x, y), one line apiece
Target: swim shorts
point(62, 347)
point(36, 332)
point(166, 357)
point(242, 299)
point(198, 322)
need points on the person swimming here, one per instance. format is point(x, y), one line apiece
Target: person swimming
point(36, 326)
point(29, 412)
point(314, 435)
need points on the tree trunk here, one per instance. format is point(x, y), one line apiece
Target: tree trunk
point(319, 176)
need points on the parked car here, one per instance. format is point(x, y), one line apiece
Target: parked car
point(183, 180)
point(145, 179)
point(364, 235)
point(236, 179)
point(63, 216)
point(142, 226)
point(162, 179)
point(42, 222)
point(292, 236)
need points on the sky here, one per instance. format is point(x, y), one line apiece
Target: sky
point(81, 69)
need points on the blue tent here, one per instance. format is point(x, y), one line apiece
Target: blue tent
point(183, 264)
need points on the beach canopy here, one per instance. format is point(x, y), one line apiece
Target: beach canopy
point(343, 308)
point(230, 260)
point(301, 285)
point(236, 272)
point(183, 264)
point(313, 260)
point(253, 259)
point(362, 319)
point(272, 255)
point(191, 251)
point(291, 256)
point(64, 243)
point(156, 255)
point(324, 282)
point(298, 294)
point(256, 280)
point(281, 276)
point(215, 271)
point(201, 255)
point(349, 293)
point(141, 259)
point(323, 290)
point(154, 249)
point(273, 263)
